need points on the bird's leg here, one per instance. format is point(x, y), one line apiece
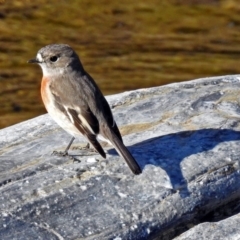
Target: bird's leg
point(65, 153)
point(68, 146)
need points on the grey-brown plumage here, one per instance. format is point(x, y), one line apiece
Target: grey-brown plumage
point(75, 102)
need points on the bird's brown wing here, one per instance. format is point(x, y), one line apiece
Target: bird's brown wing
point(100, 106)
point(83, 123)
point(82, 118)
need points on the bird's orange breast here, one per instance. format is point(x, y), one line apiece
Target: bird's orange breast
point(45, 90)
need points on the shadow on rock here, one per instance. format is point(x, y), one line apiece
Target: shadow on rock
point(167, 152)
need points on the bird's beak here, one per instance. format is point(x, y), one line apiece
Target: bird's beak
point(34, 60)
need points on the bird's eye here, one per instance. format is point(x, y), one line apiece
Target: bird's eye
point(53, 58)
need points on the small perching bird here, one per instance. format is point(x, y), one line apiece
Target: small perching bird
point(74, 101)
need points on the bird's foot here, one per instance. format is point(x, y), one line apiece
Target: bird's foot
point(59, 153)
point(86, 147)
point(82, 147)
point(65, 154)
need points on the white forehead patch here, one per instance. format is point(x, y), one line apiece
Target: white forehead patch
point(39, 57)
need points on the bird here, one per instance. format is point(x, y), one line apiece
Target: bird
point(73, 99)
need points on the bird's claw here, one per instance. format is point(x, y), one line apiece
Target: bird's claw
point(86, 147)
point(59, 153)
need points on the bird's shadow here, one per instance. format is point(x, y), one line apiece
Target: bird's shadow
point(168, 151)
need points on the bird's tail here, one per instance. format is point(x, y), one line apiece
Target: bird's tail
point(123, 151)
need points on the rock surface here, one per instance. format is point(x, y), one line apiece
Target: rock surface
point(225, 229)
point(185, 136)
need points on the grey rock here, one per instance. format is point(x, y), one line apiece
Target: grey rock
point(222, 230)
point(186, 138)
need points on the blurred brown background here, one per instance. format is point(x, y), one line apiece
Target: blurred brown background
point(124, 45)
